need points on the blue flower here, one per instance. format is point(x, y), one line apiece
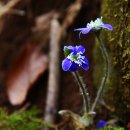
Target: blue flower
point(101, 124)
point(74, 58)
point(95, 26)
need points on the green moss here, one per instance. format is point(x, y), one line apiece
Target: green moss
point(112, 128)
point(21, 120)
point(116, 12)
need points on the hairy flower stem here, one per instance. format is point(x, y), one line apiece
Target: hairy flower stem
point(83, 91)
point(106, 69)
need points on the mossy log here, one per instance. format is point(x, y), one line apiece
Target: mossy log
point(117, 42)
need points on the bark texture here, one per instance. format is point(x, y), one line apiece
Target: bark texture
point(117, 42)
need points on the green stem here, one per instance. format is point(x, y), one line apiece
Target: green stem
point(106, 69)
point(83, 91)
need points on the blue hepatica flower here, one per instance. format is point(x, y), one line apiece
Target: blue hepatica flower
point(74, 58)
point(101, 124)
point(95, 26)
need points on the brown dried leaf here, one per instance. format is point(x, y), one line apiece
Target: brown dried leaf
point(24, 71)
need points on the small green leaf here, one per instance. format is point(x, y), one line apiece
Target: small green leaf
point(74, 57)
point(66, 51)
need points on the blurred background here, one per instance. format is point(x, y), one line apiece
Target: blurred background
point(32, 36)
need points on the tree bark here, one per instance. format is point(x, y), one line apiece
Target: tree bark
point(117, 92)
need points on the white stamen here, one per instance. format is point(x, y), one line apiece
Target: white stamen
point(79, 60)
point(95, 24)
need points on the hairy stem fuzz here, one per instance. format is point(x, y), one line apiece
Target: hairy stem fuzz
point(83, 91)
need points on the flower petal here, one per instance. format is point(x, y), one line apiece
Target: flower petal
point(101, 124)
point(85, 61)
point(87, 30)
point(66, 64)
point(71, 48)
point(107, 26)
point(80, 49)
point(79, 29)
point(73, 67)
point(85, 66)
point(84, 30)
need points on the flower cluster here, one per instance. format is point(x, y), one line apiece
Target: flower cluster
point(94, 26)
point(74, 58)
point(75, 55)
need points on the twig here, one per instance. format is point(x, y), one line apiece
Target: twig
point(103, 103)
point(53, 87)
point(9, 6)
point(17, 12)
point(72, 12)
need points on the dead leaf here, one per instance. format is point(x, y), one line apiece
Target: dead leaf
point(24, 71)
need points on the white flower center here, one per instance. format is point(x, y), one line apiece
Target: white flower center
point(78, 58)
point(95, 24)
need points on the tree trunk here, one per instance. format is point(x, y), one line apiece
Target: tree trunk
point(117, 42)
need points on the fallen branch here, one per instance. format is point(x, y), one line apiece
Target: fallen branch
point(53, 87)
point(72, 12)
point(56, 35)
point(9, 8)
